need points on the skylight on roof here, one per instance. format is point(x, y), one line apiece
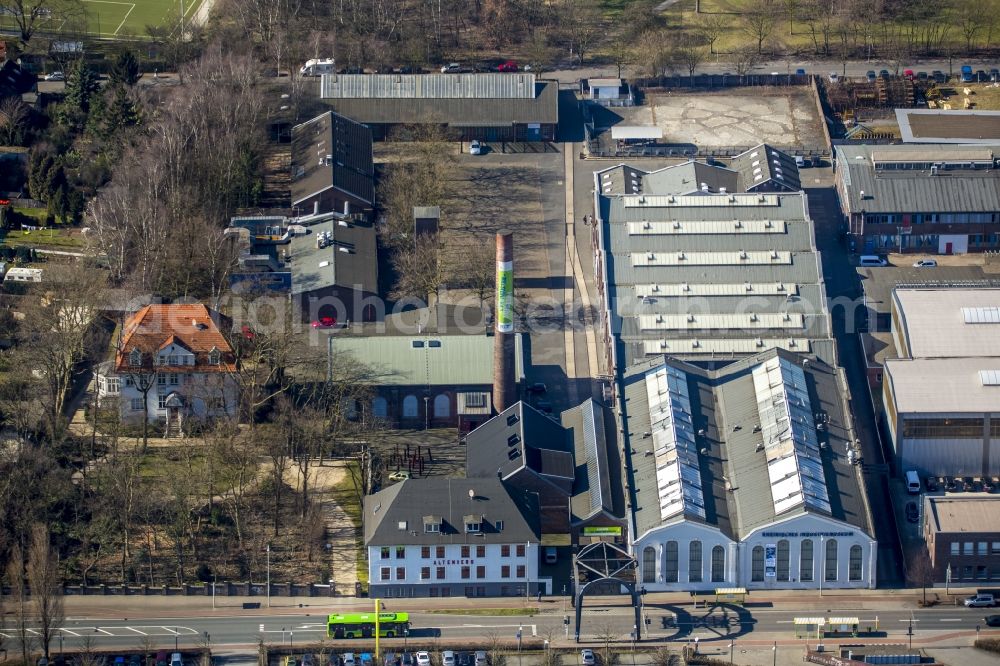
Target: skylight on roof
point(791, 445)
point(989, 377)
point(983, 315)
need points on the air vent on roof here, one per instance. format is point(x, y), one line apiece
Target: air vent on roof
point(512, 419)
point(345, 250)
point(513, 439)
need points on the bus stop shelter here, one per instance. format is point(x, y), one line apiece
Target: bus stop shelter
point(809, 627)
point(731, 595)
point(842, 626)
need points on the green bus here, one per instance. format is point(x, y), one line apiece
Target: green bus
point(362, 625)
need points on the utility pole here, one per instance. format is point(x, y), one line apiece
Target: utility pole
point(268, 575)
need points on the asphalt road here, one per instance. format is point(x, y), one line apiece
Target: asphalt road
point(667, 622)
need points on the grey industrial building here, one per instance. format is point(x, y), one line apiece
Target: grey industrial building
point(490, 107)
point(745, 476)
point(963, 537)
point(708, 277)
point(941, 394)
point(929, 198)
point(332, 167)
point(949, 126)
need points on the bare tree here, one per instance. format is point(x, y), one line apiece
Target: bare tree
point(758, 22)
point(744, 59)
point(13, 120)
point(581, 21)
point(31, 16)
point(606, 634)
point(419, 270)
point(920, 571)
point(688, 55)
point(46, 587)
point(18, 582)
point(711, 27)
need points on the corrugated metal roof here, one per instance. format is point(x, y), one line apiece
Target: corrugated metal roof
point(428, 86)
point(714, 289)
point(917, 190)
point(692, 322)
point(710, 258)
point(648, 228)
point(438, 360)
point(724, 348)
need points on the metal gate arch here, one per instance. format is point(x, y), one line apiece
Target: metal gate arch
point(604, 562)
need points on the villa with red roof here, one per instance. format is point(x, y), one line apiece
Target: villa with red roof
point(172, 365)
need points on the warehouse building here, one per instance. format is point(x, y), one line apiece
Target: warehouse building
point(489, 107)
point(963, 537)
point(942, 394)
point(440, 537)
point(745, 476)
point(707, 277)
point(949, 126)
point(432, 380)
point(928, 198)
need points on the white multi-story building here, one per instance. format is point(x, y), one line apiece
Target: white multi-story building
point(452, 537)
point(743, 477)
point(172, 364)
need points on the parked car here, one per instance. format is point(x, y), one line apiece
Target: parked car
point(448, 658)
point(992, 620)
point(308, 660)
point(481, 659)
point(802, 162)
point(981, 75)
point(161, 658)
point(464, 659)
point(349, 659)
point(406, 659)
point(551, 555)
point(509, 66)
point(800, 72)
point(54, 76)
point(401, 475)
point(587, 657)
point(925, 263)
point(980, 601)
point(833, 77)
point(475, 148)
point(966, 73)
point(883, 74)
point(325, 322)
point(939, 76)
point(176, 660)
point(870, 75)
point(423, 658)
point(451, 68)
point(367, 659)
point(333, 659)
point(390, 659)
point(291, 660)
point(908, 74)
point(921, 76)
point(912, 513)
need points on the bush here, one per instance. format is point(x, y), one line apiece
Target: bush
point(988, 644)
point(204, 573)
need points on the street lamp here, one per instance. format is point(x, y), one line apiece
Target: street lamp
point(822, 568)
point(175, 639)
point(732, 645)
point(268, 575)
point(61, 641)
point(909, 632)
point(774, 654)
point(214, 582)
point(635, 630)
point(406, 634)
point(520, 629)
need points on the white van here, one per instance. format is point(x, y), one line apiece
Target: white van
point(872, 260)
point(912, 482)
point(318, 67)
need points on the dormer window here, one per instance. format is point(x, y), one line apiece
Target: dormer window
point(432, 524)
point(214, 356)
point(135, 358)
point(473, 524)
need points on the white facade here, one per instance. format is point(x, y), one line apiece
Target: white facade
point(775, 556)
point(204, 394)
point(454, 570)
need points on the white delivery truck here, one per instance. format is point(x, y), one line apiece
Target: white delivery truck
point(318, 67)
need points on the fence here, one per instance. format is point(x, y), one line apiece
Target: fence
point(222, 589)
point(723, 81)
point(689, 151)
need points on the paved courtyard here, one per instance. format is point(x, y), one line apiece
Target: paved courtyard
point(734, 118)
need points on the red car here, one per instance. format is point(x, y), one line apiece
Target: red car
point(509, 66)
point(325, 322)
point(908, 74)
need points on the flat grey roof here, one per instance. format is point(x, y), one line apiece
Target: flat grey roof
point(519, 85)
point(724, 411)
point(878, 282)
point(952, 190)
point(944, 385)
point(348, 260)
point(954, 126)
point(331, 151)
point(541, 107)
point(712, 277)
point(975, 512)
point(421, 360)
point(940, 323)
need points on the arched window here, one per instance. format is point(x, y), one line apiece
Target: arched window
point(442, 406)
point(783, 560)
point(648, 564)
point(831, 560)
point(380, 408)
point(718, 564)
point(694, 562)
point(670, 562)
point(806, 561)
point(757, 564)
point(855, 568)
point(410, 407)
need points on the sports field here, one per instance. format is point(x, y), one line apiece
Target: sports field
point(110, 19)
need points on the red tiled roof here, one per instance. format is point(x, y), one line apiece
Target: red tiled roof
point(191, 326)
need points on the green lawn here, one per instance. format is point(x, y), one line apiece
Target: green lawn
point(111, 19)
point(346, 496)
point(42, 238)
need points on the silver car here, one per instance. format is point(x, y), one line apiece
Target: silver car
point(447, 658)
point(587, 657)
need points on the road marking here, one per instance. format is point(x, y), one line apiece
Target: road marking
point(67, 631)
point(950, 619)
point(908, 620)
point(141, 633)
